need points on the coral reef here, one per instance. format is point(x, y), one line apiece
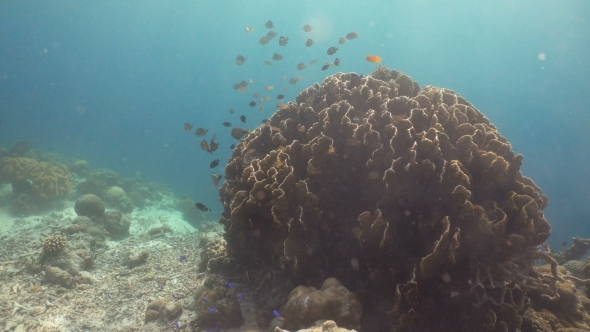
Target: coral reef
point(333, 301)
point(116, 224)
point(137, 258)
point(415, 184)
point(214, 258)
point(320, 326)
point(80, 167)
point(91, 186)
point(114, 194)
point(55, 243)
point(89, 205)
point(218, 306)
point(48, 181)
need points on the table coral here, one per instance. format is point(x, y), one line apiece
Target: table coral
point(49, 181)
point(415, 183)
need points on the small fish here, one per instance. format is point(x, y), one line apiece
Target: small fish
point(251, 81)
point(264, 120)
point(283, 41)
point(564, 244)
point(352, 35)
point(312, 62)
point(307, 28)
point(205, 145)
point(243, 118)
point(261, 108)
point(332, 50)
point(327, 65)
point(204, 299)
point(243, 84)
point(213, 145)
point(231, 110)
point(249, 29)
point(374, 58)
point(356, 119)
point(188, 127)
point(277, 57)
point(295, 80)
point(271, 35)
point(281, 97)
point(269, 25)
point(278, 315)
point(269, 87)
point(212, 310)
point(267, 98)
point(341, 41)
point(238, 132)
point(202, 207)
point(252, 104)
point(256, 95)
point(337, 62)
point(283, 77)
point(233, 146)
point(309, 42)
point(268, 63)
point(201, 132)
point(301, 66)
point(161, 286)
point(215, 179)
point(183, 258)
point(231, 285)
point(240, 296)
point(240, 60)
point(227, 124)
point(214, 163)
point(177, 325)
point(263, 41)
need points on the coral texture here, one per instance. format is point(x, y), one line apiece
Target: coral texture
point(55, 243)
point(48, 181)
point(89, 205)
point(333, 301)
point(415, 184)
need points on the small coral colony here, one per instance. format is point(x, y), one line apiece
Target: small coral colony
point(238, 133)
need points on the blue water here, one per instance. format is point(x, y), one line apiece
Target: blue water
point(114, 81)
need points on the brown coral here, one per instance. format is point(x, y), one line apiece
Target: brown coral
point(49, 181)
point(55, 243)
point(415, 183)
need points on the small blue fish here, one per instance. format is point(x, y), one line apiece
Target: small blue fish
point(183, 258)
point(177, 325)
point(161, 286)
point(278, 315)
point(240, 296)
point(204, 299)
point(231, 285)
point(212, 310)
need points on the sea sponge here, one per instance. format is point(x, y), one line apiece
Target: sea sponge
point(333, 301)
point(114, 194)
point(49, 181)
point(54, 244)
point(415, 183)
point(89, 205)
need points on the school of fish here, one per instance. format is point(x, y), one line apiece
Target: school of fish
point(238, 133)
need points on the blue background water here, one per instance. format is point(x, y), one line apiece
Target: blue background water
point(115, 81)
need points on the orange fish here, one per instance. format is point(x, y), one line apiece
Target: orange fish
point(188, 127)
point(374, 58)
